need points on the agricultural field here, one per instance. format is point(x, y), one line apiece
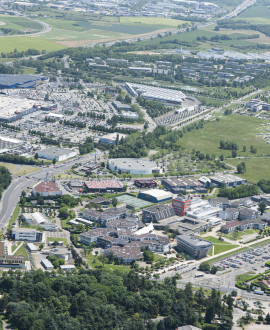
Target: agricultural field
point(257, 168)
point(20, 24)
point(7, 44)
point(240, 129)
point(78, 32)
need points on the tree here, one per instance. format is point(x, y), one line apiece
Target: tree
point(148, 256)
point(204, 267)
point(23, 193)
point(41, 246)
point(267, 318)
point(114, 201)
point(36, 155)
point(262, 207)
point(210, 314)
point(54, 161)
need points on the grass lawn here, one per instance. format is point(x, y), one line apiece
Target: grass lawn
point(244, 277)
point(15, 215)
point(159, 21)
point(95, 263)
point(257, 168)
point(24, 170)
point(22, 252)
point(218, 245)
point(267, 241)
point(53, 239)
point(8, 44)
point(242, 130)
point(239, 234)
point(13, 248)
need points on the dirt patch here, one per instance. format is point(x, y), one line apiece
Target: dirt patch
point(2, 23)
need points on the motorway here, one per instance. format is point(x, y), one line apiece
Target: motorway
point(11, 196)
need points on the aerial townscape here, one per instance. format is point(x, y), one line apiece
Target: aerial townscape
point(134, 165)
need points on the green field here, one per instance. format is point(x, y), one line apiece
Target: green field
point(257, 168)
point(95, 263)
point(259, 12)
point(244, 277)
point(219, 246)
point(8, 44)
point(242, 130)
point(157, 21)
point(20, 24)
point(22, 252)
point(239, 234)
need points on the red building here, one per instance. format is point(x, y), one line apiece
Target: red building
point(181, 205)
point(145, 183)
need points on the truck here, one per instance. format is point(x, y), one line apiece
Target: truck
point(258, 292)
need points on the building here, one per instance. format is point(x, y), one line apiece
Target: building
point(101, 201)
point(133, 166)
point(242, 225)
point(167, 96)
point(111, 138)
point(67, 267)
point(227, 180)
point(103, 186)
point(32, 247)
point(201, 209)
point(127, 254)
point(46, 188)
point(181, 205)
point(47, 264)
point(179, 185)
point(14, 108)
point(20, 81)
point(145, 183)
point(26, 234)
point(247, 214)
point(119, 106)
point(157, 213)
point(230, 213)
point(39, 219)
point(188, 226)
point(59, 154)
point(155, 195)
point(194, 246)
point(13, 261)
point(61, 253)
point(220, 202)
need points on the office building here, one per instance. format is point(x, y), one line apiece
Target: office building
point(181, 205)
point(194, 246)
point(26, 234)
point(157, 213)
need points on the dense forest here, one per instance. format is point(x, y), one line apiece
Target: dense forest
point(5, 179)
point(100, 299)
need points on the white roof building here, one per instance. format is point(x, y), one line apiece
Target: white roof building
point(133, 166)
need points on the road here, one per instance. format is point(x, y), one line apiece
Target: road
point(11, 196)
point(46, 28)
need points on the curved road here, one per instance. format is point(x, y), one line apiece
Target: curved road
point(46, 28)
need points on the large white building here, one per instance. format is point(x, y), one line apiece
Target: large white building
point(165, 95)
point(133, 166)
point(39, 219)
point(27, 234)
point(111, 138)
point(59, 154)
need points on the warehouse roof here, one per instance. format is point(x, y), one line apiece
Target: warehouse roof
point(226, 178)
point(56, 151)
point(133, 163)
point(157, 193)
point(9, 80)
point(105, 184)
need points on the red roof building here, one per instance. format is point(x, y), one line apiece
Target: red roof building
point(46, 188)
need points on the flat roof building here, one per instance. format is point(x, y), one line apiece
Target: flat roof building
point(20, 80)
point(59, 154)
point(13, 261)
point(194, 246)
point(111, 138)
point(103, 186)
point(155, 195)
point(167, 96)
point(157, 213)
point(228, 180)
point(47, 264)
point(26, 234)
point(180, 185)
point(39, 219)
point(145, 183)
point(181, 205)
point(133, 166)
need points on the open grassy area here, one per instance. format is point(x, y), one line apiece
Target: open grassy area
point(239, 234)
point(8, 44)
point(229, 254)
point(257, 168)
point(14, 215)
point(157, 21)
point(22, 252)
point(219, 246)
point(24, 170)
point(20, 24)
point(244, 277)
point(95, 263)
point(242, 130)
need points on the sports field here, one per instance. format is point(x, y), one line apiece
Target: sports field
point(240, 129)
point(135, 202)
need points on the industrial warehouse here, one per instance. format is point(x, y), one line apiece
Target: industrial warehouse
point(20, 80)
point(133, 166)
point(167, 96)
point(12, 109)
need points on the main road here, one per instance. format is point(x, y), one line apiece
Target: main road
point(11, 195)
